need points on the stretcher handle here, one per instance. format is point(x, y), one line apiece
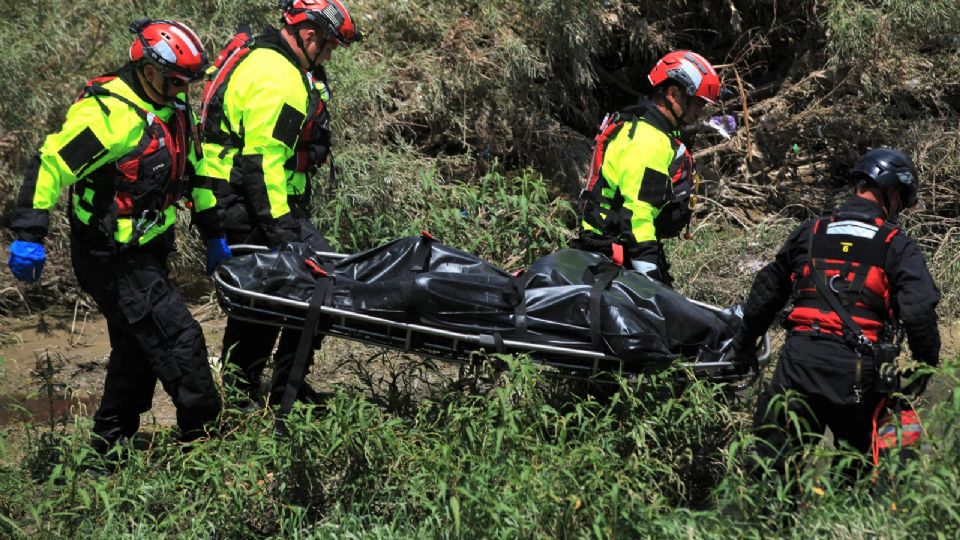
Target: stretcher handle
point(242, 249)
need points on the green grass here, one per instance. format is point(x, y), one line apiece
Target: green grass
point(525, 457)
point(862, 30)
point(507, 219)
point(473, 120)
point(448, 106)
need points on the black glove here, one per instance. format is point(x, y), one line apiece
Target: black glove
point(917, 385)
point(745, 352)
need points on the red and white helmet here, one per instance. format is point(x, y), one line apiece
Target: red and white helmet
point(691, 71)
point(171, 46)
point(330, 15)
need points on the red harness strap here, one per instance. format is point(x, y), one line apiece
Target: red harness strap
point(852, 265)
point(617, 253)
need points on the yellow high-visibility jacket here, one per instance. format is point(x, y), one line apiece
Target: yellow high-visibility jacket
point(645, 170)
point(255, 155)
point(110, 151)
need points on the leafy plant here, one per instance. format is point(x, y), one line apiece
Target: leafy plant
point(509, 220)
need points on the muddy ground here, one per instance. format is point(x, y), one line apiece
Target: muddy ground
point(69, 351)
point(53, 366)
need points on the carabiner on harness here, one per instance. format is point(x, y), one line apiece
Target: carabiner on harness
point(147, 221)
point(830, 283)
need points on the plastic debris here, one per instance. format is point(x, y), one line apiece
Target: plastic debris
point(724, 124)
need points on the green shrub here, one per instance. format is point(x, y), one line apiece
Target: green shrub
point(508, 220)
point(528, 456)
point(860, 30)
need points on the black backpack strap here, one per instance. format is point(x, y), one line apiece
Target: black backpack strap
point(514, 294)
point(520, 310)
point(421, 254)
point(298, 371)
point(604, 277)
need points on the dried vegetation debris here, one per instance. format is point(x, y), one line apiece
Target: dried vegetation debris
point(809, 132)
point(527, 84)
point(463, 88)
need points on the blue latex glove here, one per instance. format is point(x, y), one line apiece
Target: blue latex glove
point(217, 252)
point(26, 260)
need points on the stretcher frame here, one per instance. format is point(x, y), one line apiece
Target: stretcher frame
point(576, 360)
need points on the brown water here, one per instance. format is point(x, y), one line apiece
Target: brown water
point(43, 410)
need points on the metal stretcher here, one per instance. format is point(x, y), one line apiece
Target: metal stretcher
point(576, 359)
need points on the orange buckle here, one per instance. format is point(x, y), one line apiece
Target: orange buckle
point(617, 254)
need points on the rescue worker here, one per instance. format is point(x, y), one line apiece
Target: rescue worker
point(852, 277)
point(266, 128)
point(642, 174)
point(124, 150)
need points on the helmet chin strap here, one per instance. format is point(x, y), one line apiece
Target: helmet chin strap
point(888, 205)
point(677, 118)
point(312, 63)
point(161, 93)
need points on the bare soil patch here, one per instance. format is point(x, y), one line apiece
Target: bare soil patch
point(77, 349)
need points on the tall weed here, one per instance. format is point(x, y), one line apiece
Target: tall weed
point(507, 219)
point(649, 457)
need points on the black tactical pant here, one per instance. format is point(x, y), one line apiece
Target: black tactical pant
point(247, 346)
point(811, 390)
point(785, 423)
point(246, 350)
point(153, 337)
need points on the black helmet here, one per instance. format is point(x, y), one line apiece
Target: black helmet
point(886, 167)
